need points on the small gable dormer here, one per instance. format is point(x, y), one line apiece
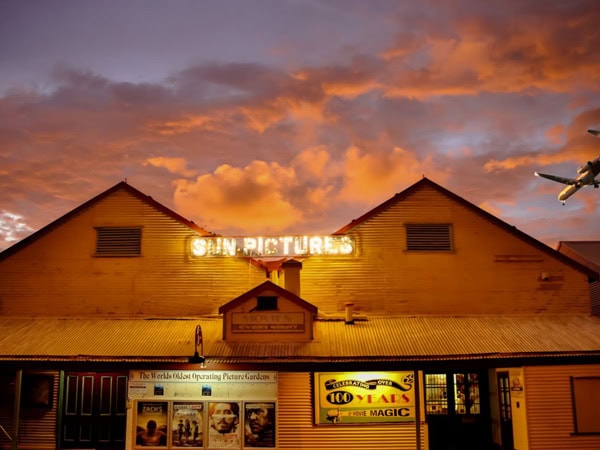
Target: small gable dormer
point(268, 313)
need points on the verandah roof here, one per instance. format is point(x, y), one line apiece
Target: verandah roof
point(380, 338)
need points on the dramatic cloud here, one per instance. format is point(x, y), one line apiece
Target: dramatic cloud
point(249, 199)
point(302, 115)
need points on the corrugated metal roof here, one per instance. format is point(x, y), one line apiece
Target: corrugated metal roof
point(379, 338)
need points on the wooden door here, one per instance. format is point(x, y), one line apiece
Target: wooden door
point(94, 410)
point(506, 427)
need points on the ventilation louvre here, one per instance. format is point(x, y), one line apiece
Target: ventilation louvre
point(428, 237)
point(118, 241)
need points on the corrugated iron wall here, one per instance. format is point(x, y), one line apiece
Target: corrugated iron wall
point(487, 261)
point(37, 426)
point(51, 278)
point(550, 409)
point(296, 429)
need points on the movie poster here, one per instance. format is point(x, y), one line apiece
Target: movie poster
point(259, 424)
point(152, 418)
point(224, 427)
point(186, 426)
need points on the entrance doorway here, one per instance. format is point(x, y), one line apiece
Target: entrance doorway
point(506, 427)
point(457, 411)
point(94, 410)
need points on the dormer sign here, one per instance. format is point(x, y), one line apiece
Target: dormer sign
point(268, 313)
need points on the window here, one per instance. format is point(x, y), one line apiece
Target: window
point(436, 393)
point(118, 241)
point(428, 237)
point(266, 303)
point(466, 393)
point(465, 398)
point(586, 404)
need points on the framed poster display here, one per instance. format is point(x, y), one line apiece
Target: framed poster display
point(224, 428)
point(187, 425)
point(259, 424)
point(151, 424)
point(203, 409)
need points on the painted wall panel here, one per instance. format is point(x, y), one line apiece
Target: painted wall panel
point(550, 409)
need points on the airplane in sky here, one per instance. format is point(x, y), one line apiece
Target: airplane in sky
point(586, 176)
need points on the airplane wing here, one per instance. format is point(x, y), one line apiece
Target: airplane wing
point(563, 180)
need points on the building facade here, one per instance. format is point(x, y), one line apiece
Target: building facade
point(426, 323)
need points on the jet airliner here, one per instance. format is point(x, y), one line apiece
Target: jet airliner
point(586, 176)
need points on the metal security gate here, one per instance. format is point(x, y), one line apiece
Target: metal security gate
point(94, 410)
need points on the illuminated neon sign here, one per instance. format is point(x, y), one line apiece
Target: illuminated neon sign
point(272, 246)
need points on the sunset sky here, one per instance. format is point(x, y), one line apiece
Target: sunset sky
point(297, 116)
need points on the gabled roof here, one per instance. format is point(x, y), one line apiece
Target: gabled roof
point(121, 186)
point(381, 338)
point(585, 252)
point(268, 286)
point(426, 182)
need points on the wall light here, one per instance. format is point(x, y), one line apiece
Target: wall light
point(197, 358)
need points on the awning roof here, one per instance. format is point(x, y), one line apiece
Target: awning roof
point(382, 338)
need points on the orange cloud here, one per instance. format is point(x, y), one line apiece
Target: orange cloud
point(526, 160)
point(552, 50)
point(269, 197)
point(358, 77)
point(312, 162)
point(368, 176)
point(264, 113)
point(490, 208)
point(350, 90)
point(249, 199)
point(183, 125)
point(174, 165)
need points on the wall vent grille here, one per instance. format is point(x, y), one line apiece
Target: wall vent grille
point(428, 237)
point(118, 241)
